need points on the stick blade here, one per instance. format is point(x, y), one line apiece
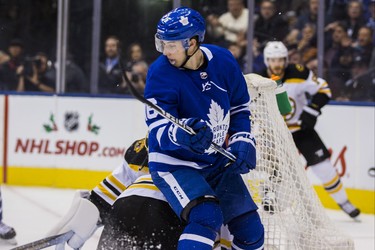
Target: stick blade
point(46, 242)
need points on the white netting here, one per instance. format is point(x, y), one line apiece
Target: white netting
point(295, 218)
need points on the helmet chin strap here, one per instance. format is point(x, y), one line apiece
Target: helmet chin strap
point(188, 57)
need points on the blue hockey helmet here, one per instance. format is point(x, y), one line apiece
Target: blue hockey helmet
point(180, 24)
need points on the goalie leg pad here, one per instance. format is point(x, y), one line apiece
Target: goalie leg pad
point(82, 218)
point(245, 236)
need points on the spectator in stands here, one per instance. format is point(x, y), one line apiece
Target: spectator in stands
point(9, 70)
point(258, 59)
point(371, 20)
point(310, 59)
point(294, 55)
point(338, 58)
point(270, 25)
point(310, 17)
point(134, 55)
point(38, 73)
point(138, 75)
point(364, 45)
point(355, 18)
point(33, 75)
point(339, 38)
point(336, 10)
point(308, 38)
point(75, 78)
point(361, 85)
point(110, 74)
point(231, 26)
point(237, 52)
point(136, 66)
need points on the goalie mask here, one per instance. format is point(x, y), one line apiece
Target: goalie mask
point(179, 26)
point(275, 49)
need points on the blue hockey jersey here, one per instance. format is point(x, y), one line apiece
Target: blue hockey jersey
point(216, 93)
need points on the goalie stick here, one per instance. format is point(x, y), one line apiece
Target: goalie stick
point(46, 242)
point(170, 117)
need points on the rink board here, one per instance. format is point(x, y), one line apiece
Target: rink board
point(75, 142)
point(67, 141)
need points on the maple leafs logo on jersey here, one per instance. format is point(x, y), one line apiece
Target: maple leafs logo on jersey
point(218, 122)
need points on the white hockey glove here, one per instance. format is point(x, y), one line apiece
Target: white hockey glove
point(82, 218)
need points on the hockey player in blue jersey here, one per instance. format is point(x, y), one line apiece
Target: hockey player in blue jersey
point(202, 86)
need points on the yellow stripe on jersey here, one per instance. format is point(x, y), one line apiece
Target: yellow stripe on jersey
point(225, 243)
point(325, 91)
point(324, 85)
point(106, 192)
point(143, 185)
point(137, 168)
point(119, 184)
point(294, 127)
point(140, 179)
point(295, 80)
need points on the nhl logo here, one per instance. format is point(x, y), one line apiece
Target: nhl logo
point(71, 122)
point(203, 75)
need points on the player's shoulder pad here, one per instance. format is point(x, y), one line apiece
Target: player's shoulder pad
point(137, 153)
point(218, 54)
point(296, 71)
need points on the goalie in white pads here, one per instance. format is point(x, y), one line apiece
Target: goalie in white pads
point(301, 83)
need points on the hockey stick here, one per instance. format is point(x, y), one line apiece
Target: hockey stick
point(46, 242)
point(170, 117)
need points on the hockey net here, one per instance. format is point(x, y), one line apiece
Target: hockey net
point(291, 212)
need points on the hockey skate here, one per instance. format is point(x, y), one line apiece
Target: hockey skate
point(351, 210)
point(7, 234)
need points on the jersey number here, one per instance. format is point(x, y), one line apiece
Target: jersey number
point(150, 112)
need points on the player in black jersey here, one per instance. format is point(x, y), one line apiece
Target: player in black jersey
point(133, 211)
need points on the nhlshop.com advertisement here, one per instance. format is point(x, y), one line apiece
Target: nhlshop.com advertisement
point(68, 134)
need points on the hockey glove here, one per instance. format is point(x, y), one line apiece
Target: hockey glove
point(308, 117)
point(197, 143)
point(82, 218)
point(242, 145)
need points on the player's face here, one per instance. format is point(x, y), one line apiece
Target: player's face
point(175, 52)
point(276, 65)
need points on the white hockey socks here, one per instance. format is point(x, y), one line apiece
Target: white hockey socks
point(327, 174)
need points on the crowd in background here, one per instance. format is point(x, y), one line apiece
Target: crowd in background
point(349, 64)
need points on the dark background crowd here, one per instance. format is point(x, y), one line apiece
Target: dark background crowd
point(28, 35)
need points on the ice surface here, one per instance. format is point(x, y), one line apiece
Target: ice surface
point(33, 211)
